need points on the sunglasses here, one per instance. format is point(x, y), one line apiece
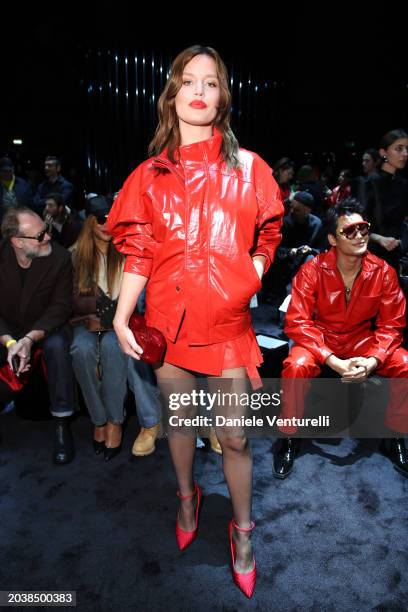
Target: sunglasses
point(40, 237)
point(101, 219)
point(350, 231)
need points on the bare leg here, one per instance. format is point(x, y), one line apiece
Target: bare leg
point(113, 434)
point(237, 465)
point(182, 443)
point(100, 433)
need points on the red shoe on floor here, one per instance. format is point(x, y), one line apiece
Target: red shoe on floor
point(245, 582)
point(184, 538)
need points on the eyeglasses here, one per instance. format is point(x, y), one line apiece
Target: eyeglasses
point(101, 219)
point(350, 231)
point(40, 237)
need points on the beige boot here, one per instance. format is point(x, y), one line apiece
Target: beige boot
point(145, 441)
point(215, 445)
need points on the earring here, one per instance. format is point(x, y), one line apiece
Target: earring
point(384, 158)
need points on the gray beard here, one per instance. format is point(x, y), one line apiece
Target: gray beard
point(32, 255)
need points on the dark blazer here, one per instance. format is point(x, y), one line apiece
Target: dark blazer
point(45, 301)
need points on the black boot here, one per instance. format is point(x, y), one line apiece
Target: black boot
point(395, 450)
point(63, 442)
point(285, 457)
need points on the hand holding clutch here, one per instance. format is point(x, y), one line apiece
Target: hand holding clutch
point(150, 339)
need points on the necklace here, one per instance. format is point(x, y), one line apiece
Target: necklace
point(347, 290)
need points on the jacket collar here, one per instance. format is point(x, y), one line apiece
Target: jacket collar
point(329, 260)
point(205, 150)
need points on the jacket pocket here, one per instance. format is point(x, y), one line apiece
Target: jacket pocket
point(253, 277)
point(232, 289)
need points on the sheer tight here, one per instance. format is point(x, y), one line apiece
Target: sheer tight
point(236, 457)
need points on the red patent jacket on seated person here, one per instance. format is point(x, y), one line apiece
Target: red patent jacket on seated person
point(319, 319)
point(192, 230)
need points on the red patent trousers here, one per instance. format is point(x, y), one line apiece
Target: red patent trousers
point(302, 364)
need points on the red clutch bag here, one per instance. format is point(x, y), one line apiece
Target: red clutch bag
point(150, 339)
point(16, 383)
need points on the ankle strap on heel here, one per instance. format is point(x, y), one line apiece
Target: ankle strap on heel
point(183, 497)
point(243, 529)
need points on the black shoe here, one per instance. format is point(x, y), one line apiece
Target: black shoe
point(110, 453)
point(64, 451)
point(285, 457)
point(395, 450)
point(98, 447)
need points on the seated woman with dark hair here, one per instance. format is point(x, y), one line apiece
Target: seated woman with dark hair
point(100, 366)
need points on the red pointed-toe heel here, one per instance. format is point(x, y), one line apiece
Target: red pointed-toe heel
point(185, 538)
point(245, 582)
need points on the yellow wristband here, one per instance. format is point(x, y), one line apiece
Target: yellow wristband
point(10, 342)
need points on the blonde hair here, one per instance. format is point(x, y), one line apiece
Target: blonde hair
point(167, 132)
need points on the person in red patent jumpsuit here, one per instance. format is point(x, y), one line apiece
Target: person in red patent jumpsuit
point(335, 298)
point(200, 222)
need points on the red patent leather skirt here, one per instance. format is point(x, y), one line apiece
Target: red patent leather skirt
point(212, 359)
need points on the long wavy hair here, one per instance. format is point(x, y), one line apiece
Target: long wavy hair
point(167, 132)
point(86, 261)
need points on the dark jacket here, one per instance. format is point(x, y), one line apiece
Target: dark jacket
point(295, 235)
point(22, 191)
point(45, 301)
point(61, 185)
point(69, 233)
point(385, 199)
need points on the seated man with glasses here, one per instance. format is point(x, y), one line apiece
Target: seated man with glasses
point(347, 312)
point(35, 305)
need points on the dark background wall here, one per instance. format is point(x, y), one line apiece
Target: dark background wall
point(335, 81)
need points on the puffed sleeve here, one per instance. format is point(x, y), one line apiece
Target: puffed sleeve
point(270, 213)
point(130, 223)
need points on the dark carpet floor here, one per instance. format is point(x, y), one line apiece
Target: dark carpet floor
point(331, 537)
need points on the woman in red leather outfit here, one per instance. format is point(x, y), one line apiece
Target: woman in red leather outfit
point(199, 223)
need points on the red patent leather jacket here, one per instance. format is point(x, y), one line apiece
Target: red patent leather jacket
point(320, 320)
point(192, 230)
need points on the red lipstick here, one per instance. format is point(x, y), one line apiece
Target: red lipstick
point(198, 104)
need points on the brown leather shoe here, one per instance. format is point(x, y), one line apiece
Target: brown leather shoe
point(145, 442)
